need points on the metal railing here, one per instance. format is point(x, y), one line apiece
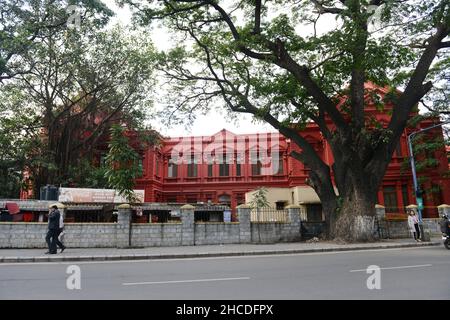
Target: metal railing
point(269, 215)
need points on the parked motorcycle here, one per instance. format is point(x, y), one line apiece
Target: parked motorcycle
point(446, 239)
point(445, 229)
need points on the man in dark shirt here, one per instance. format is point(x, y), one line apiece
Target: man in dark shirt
point(53, 229)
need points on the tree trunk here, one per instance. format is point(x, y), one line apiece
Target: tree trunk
point(322, 184)
point(350, 215)
point(329, 207)
point(356, 217)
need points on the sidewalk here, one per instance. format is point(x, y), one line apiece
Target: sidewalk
point(102, 254)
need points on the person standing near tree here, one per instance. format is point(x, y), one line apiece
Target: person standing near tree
point(413, 223)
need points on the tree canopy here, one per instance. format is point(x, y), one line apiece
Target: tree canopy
point(76, 82)
point(23, 23)
point(290, 62)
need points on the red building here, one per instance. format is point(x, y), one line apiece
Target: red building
point(223, 167)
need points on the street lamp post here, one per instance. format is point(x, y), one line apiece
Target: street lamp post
point(417, 190)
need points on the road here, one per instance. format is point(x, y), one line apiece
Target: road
point(413, 273)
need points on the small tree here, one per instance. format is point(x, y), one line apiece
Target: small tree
point(123, 164)
point(260, 201)
point(260, 198)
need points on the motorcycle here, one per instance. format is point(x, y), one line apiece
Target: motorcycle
point(446, 239)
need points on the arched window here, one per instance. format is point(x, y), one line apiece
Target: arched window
point(192, 166)
point(255, 160)
point(172, 168)
point(225, 199)
point(224, 165)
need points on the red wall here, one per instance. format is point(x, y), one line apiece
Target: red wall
point(161, 188)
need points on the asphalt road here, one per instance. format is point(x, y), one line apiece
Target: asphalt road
point(415, 273)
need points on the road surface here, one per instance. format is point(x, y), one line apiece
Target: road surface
point(413, 273)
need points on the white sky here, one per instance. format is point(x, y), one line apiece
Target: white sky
point(214, 121)
point(204, 125)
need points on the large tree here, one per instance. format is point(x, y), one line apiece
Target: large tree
point(79, 81)
point(23, 23)
point(18, 140)
point(289, 62)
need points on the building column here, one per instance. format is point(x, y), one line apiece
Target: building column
point(294, 218)
point(294, 214)
point(123, 229)
point(399, 195)
point(245, 231)
point(381, 196)
point(188, 227)
point(303, 212)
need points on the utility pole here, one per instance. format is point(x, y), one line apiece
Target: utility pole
point(417, 191)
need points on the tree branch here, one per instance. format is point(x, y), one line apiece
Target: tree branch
point(413, 93)
point(301, 73)
point(323, 9)
point(257, 28)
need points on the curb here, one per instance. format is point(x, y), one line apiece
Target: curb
point(204, 255)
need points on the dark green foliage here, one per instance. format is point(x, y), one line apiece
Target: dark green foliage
point(123, 164)
point(23, 23)
point(72, 85)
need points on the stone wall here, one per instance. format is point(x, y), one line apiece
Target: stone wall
point(76, 235)
point(399, 228)
point(22, 235)
point(272, 232)
point(216, 233)
point(88, 235)
point(124, 234)
point(396, 229)
point(432, 225)
point(156, 234)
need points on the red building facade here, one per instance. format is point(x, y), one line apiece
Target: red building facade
point(223, 167)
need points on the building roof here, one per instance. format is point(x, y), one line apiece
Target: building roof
point(43, 205)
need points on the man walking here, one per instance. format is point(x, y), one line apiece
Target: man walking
point(60, 236)
point(53, 230)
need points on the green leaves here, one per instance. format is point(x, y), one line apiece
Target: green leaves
point(123, 164)
point(68, 85)
point(259, 199)
point(23, 23)
point(427, 147)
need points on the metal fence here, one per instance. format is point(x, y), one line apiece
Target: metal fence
point(269, 215)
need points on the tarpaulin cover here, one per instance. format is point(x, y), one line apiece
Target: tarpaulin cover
point(12, 207)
